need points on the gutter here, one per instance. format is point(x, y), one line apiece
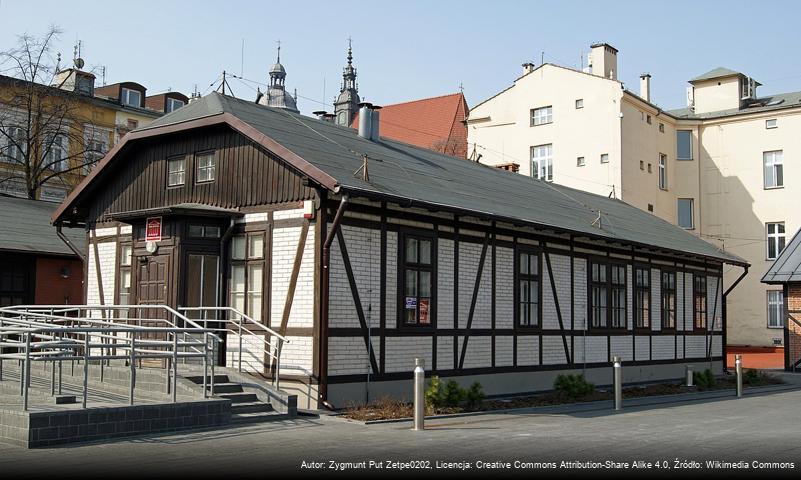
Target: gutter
point(69, 243)
point(324, 294)
point(723, 312)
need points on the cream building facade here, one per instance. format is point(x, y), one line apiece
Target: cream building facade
point(715, 167)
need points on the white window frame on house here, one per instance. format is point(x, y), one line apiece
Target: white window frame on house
point(663, 179)
point(579, 103)
point(96, 144)
point(176, 171)
point(174, 104)
point(773, 169)
point(580, 162)
point(542, 162)
point(775, 308)
point(12, 154)
point(604, 158)
point(205, 167)
point(57, 147)
point(685, 201)
point(690, 145)
point(126, 95)
point(775, 234)
point(246, 281)
point(542, 115)
point(771, 123)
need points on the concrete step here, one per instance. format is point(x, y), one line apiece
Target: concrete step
point(226, 388)
point(198, 379)
point(259, 417)
point(251, 407)
point(239, 397)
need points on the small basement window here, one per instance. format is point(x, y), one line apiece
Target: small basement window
point(206, 167)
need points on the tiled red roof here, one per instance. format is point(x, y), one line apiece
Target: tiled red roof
point(435, 123)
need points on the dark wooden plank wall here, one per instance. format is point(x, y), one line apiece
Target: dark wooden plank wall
point(246, 175)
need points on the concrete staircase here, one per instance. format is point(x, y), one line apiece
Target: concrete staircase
point(246, 406)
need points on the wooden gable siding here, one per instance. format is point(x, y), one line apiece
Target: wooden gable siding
point(246, 175)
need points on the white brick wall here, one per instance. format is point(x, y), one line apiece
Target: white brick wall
point(596, 349)
point(392, 280)
point(504, 353)
point(504, 286)
point(401, 352)
point(364, 250)
point(444, 353)
point(688, 303)
point(580, 287)
point(284, 214)
point(696, 346)
point(285, 245)
point(679, 303)
point(108, 265)
point(642, 348)
point(553, 350)
point(663, 347)
point(528, 350)
point(469, 258)
point(444, 286)
point(478, 353)
point(713, 299)
point(561, 274)
point(622, 347)
point(348, 355)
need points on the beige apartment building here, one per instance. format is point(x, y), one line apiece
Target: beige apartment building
point(715, 167)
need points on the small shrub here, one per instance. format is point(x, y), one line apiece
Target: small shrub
point(454, 394)
point(435, 394)
point(440, 395)
point(704, 380)
point(573, 386)
point(474, 396)
point(751, 377)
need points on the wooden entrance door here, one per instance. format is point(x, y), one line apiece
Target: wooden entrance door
point(152, 289)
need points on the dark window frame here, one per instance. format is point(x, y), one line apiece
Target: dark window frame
point(637, 308)
point(520, 277)
point(699, 294)
point(403, 267)
point(665, 303)
point(609, 287)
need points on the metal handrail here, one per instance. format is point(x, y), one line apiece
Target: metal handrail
point(242, 329)
point(30, 334)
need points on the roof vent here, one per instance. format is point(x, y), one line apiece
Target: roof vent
point(369, 117)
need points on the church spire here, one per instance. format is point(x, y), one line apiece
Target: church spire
point(347, 103)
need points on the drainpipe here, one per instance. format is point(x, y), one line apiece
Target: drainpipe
point(69, 243)
point(723, 312)
point(226, 237)
point(324, 282)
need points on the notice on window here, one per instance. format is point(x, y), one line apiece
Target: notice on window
point(411, 303)
point(153, 229)
point(424, 303)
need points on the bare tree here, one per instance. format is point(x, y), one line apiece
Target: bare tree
point(450, 146)
point(43, 127)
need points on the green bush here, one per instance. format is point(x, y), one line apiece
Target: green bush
point(450, 395)
point(573, 386)
point(751, 376)
point(704, 380)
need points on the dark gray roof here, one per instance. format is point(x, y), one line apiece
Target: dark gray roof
point(786, 268)
point(778, 101)
point(25, 227)
point(719, 72)
point(403, 172)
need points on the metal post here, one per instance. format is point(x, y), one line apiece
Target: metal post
point(618, 381)
point(738, 366)
point(240, 344)
point(205, 364)
point(278, 365)
point(60, 367)
point(52, 378)
point(213, 362)
point(25, 378)
point(174, 367)
point(85, 368)
point(419, 394)
point(132, 361)
point(689, 375)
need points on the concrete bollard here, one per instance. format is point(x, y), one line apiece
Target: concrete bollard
point(689, 375)
point(419, 394)
point(618, 381)
point(738, 367)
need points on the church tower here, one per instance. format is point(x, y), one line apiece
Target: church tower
point(276, 94)
point(347, 103)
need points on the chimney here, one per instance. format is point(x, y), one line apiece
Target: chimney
point(324, 116)
point(369, 121)
point(645, 86)
point(603, 60)
point(528, 67)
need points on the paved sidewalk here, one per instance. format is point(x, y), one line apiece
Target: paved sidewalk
point(756, 427)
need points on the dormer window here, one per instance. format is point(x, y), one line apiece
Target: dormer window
point(131, 98)
point(174, 104)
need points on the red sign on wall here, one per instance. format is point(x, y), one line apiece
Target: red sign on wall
point(153, 229)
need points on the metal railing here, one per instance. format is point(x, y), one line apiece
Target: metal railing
point(242, 325)
point(100, 334)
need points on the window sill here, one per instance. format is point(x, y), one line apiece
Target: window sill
point(540, 124)
point(776, 327)
point(778, 187)
point(685, 159)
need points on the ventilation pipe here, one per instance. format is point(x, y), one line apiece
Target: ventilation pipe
point(528, 67)
point(369, 117)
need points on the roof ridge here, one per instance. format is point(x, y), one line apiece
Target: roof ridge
point(423, 99)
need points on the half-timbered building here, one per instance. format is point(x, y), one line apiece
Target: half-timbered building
point(368, 253)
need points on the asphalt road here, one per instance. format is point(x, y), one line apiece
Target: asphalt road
point(763, 428)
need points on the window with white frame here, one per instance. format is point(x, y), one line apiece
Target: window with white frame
point(776, 239)
point(775, 309)
point(13, 146)
point(604, 158)
point(55, 148)
point(246, 284)
point(663, 171)
point(684, 207)
point(174, 104)
point(771, 123)
point(579, 103)
point(132, 98)
point(206, 167)
point(176, 171)
point(542, 115)
point(684, 145)
point(542, 162)
point(773, 162)
point(95, 146)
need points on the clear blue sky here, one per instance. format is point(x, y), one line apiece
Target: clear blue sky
point(412, 49)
